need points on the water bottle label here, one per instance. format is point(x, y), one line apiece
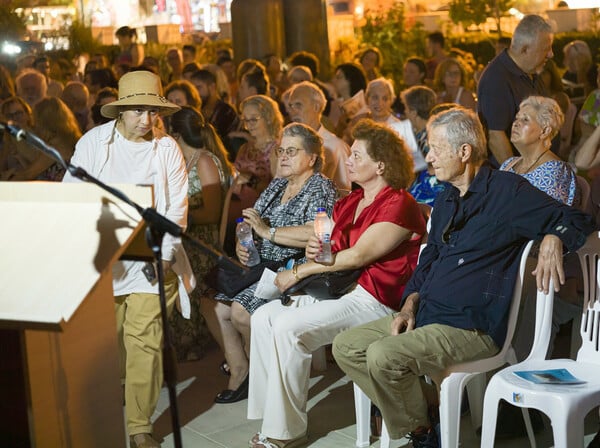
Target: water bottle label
point(326, 238)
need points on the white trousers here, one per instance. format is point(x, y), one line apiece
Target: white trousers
point(283, 338)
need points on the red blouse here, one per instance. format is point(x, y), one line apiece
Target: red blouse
point(385, 278)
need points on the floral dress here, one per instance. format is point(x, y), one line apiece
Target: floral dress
point(191, 336)
point(317, 191)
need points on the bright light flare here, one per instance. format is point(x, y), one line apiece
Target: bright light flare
point(515, 12)
point(10, 48)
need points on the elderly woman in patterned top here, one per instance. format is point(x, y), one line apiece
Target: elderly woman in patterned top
point(538, 121)
point(282, 220)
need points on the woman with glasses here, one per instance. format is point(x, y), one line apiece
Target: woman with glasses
point(282, 221)
point(450, 83)
point(256, 160)
point(14, 154)
point(56, 125)
point(378, 228)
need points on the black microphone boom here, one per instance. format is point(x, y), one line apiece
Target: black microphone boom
point(21, 134)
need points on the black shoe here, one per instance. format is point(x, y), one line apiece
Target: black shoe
point(233, 396)
point(425, 438)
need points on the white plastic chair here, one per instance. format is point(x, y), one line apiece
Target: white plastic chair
point(453, 381)
point(565, 405)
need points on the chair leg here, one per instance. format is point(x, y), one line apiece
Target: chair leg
point(568, 432)
point(384, 440)
point(450, 397)
point(475, 393)
point(490, 417)
point(362, 408)
point(528, 427)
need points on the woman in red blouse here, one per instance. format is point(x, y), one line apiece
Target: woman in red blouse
point(378, 228)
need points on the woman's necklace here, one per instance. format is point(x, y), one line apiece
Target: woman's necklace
point(192, 161)
point(535, 161)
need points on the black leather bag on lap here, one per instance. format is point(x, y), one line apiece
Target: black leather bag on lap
point(229, 277)
point(325, 286)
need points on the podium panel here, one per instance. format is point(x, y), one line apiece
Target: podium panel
point(56, 305)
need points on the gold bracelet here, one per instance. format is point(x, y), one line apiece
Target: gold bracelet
point(295, 272)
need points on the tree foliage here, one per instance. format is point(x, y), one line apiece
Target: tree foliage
point(476, 12)
point(388, 31)
point(81, 39)
point(12, 25)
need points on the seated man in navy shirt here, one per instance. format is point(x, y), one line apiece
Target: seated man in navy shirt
point(455, 306)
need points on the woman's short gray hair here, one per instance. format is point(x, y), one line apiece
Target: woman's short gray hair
point(380, 81)
point(312, 143)
point(462, 126)
point(547, 113)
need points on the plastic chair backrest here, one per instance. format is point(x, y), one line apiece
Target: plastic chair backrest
point(590, 319)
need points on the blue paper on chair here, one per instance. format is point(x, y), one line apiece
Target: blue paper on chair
point(550, 376)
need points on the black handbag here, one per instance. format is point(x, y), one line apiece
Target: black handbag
point(326, 285)
point(230, 277)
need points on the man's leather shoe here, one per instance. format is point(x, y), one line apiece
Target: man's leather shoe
point(233, 396)
point(143, 441)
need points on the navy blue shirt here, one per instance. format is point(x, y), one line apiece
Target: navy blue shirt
point(466, 273)
point(502, 87)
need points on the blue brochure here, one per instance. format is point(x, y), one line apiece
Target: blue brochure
point(551, 376)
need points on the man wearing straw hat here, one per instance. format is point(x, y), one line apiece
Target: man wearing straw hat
point(131, 149)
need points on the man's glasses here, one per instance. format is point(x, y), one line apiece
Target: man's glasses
point(290, 152)
point(251, 121)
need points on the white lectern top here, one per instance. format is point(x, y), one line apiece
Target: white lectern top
point(56, 240)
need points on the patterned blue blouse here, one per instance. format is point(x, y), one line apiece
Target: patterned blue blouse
point(555, 178)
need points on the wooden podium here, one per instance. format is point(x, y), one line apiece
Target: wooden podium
point(59, 369)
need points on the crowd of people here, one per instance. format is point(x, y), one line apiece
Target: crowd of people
point(493, 151)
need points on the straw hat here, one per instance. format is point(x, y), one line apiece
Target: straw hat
point(139, 88)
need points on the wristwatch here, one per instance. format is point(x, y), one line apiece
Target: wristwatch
point(272, 231)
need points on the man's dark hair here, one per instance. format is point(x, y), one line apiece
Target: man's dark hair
point(436, 37)
point(190, 48)
point(126, 31)
point(258, 79)
point(205, 76)
point(40, 59)
point(307, 59)
point(223, 59)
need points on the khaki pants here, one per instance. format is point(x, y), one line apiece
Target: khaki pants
point(388, 368)
point(140, 333)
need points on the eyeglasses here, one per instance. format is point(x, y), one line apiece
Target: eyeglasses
point(251, 121)
point(290, 152)
point(14, 115)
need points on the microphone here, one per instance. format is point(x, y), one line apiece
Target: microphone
point(29, 137)
point(13, 130)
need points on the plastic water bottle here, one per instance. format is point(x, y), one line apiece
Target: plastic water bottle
point(323, 231)
point(243, 232)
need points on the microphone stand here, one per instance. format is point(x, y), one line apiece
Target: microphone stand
point(157, 226)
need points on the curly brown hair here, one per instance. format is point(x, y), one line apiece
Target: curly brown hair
point(384, 145)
